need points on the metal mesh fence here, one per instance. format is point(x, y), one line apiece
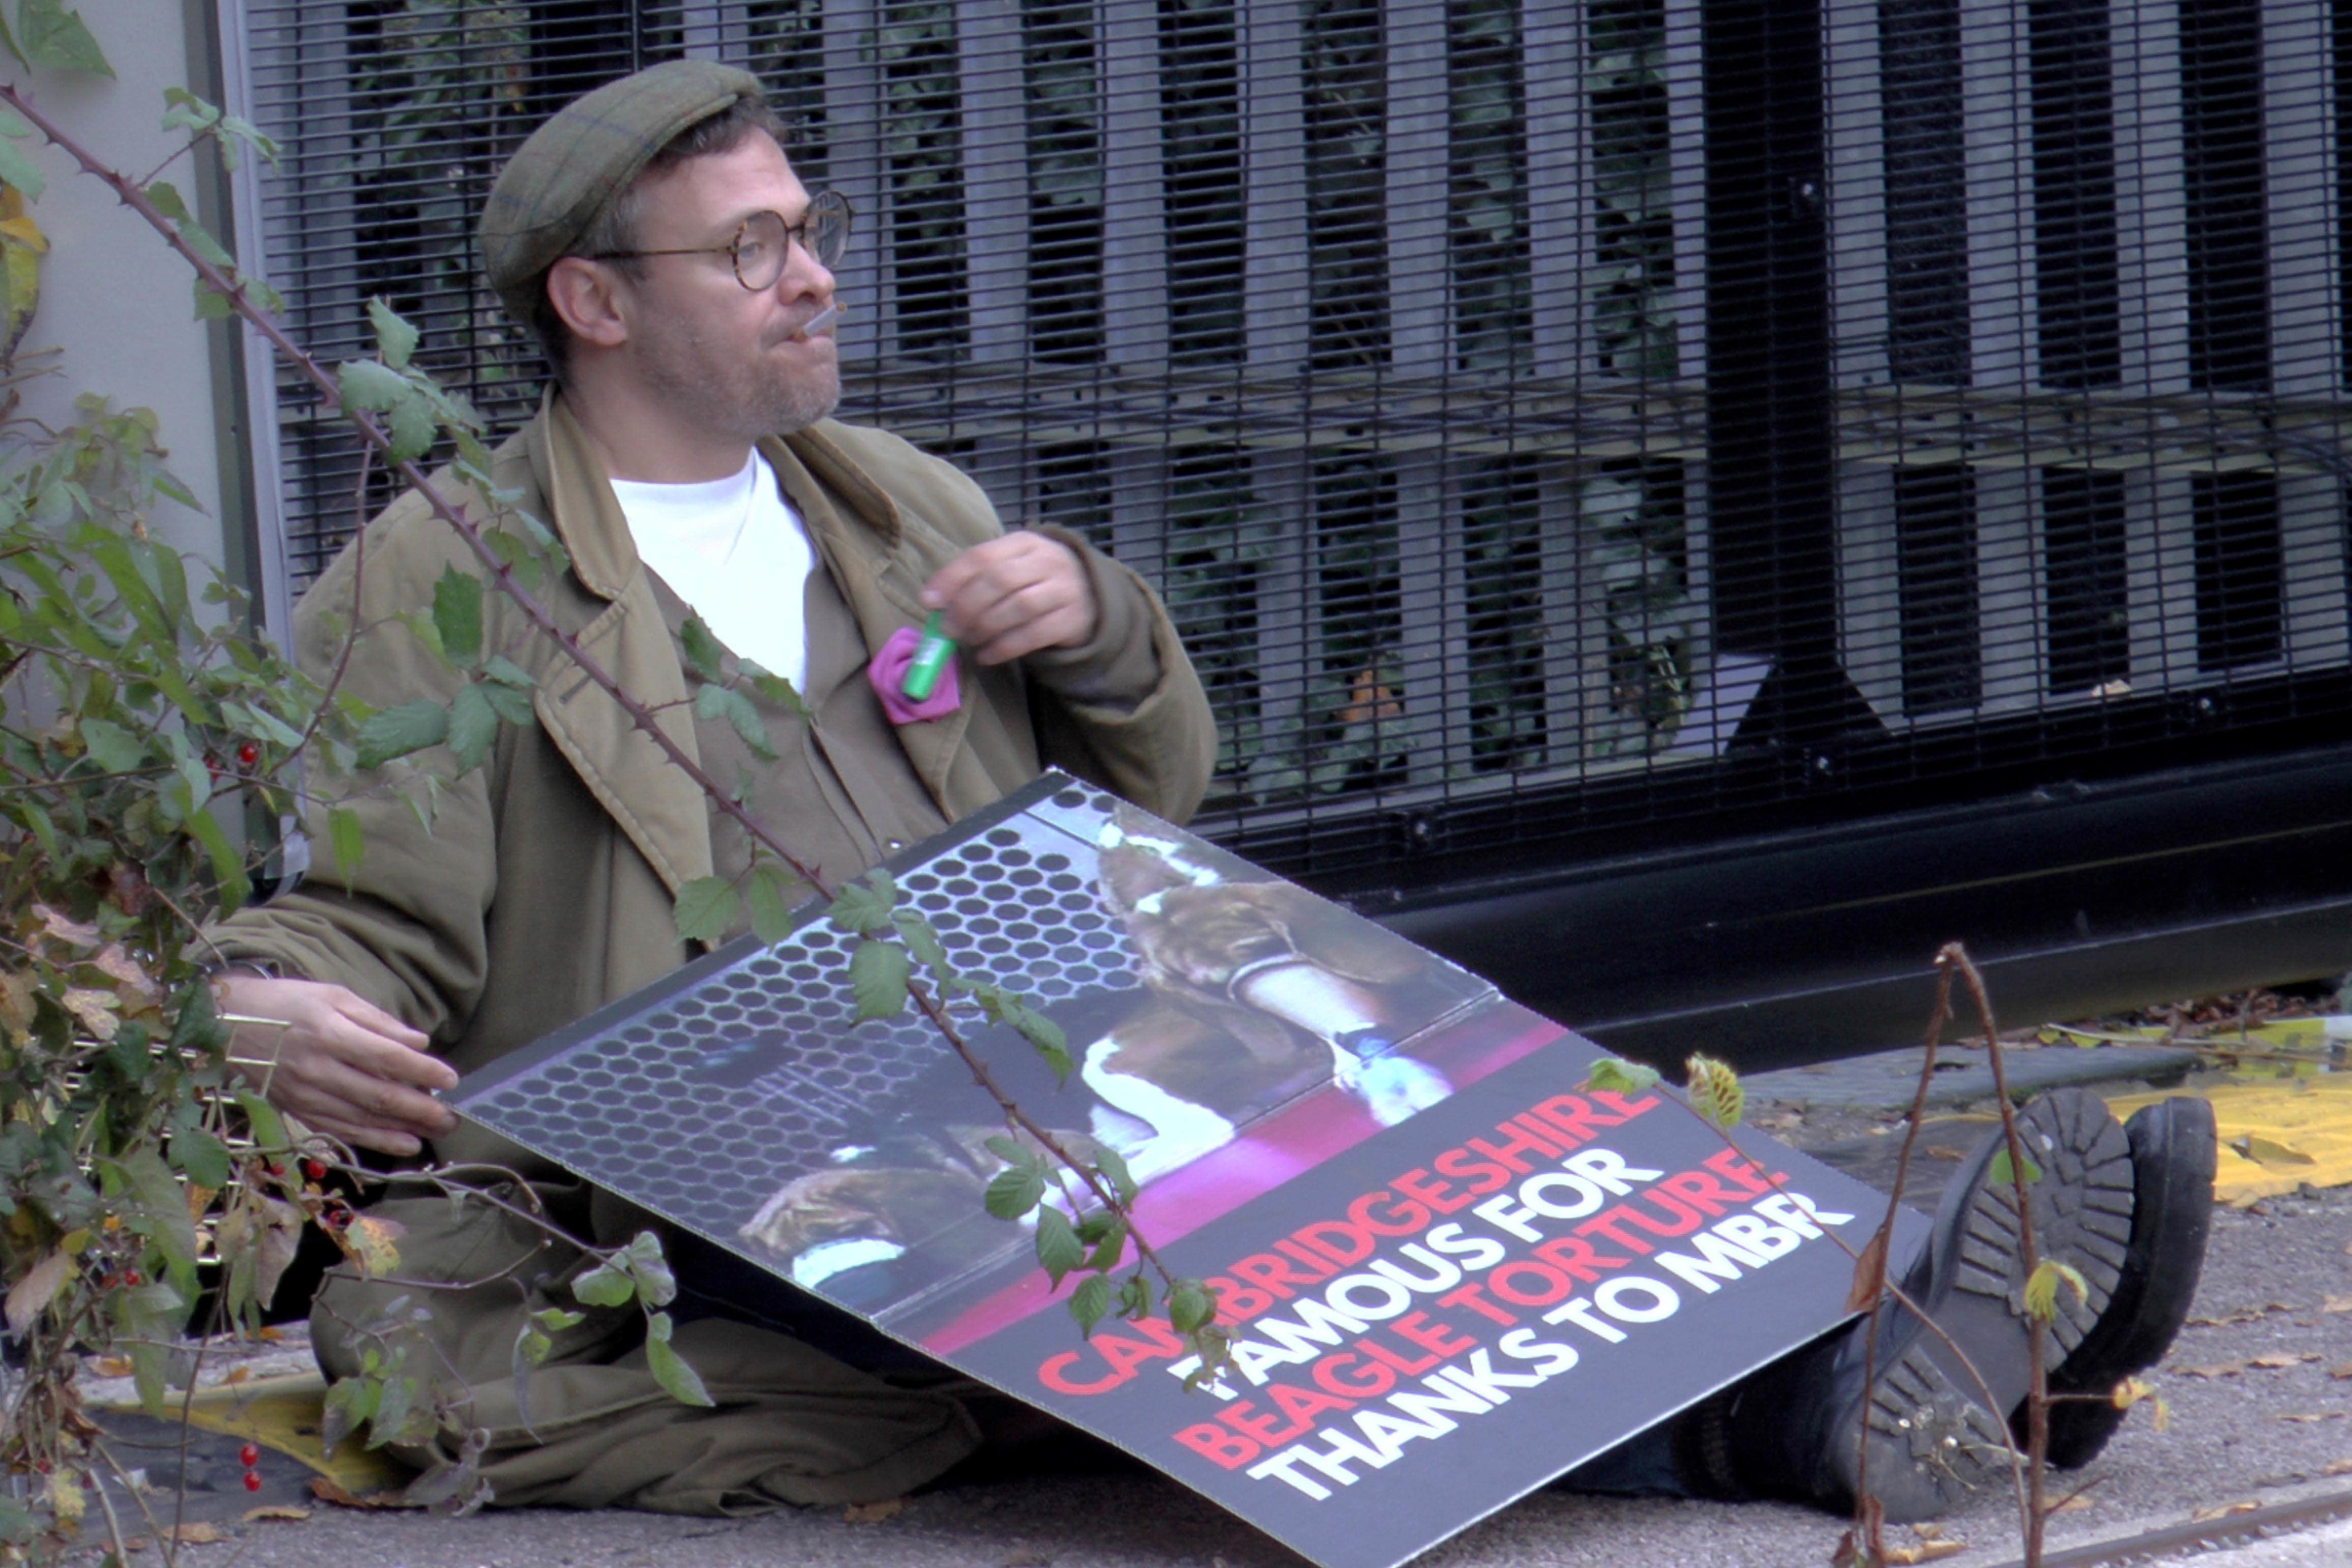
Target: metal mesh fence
point(1573, 417)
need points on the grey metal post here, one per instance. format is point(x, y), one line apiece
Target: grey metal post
point(1433, 656)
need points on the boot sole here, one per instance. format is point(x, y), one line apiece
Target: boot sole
point(1935, 1433)
point(2173, 1148)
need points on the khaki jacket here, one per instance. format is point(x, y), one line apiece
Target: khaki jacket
point(543, 887)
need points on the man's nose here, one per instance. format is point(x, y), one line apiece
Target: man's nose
point(802, 273)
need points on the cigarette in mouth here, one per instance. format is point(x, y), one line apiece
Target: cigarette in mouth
point(820, 321)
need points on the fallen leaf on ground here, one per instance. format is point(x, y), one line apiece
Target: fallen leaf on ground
point(273, 1510)
point(236, 1374)
point(326, 1490)
point(2223, 1510)
point(2336, 1304)
point(2072, 1504)
point(2338, 1468)
point(874, 1512)
point(202, 1532)
point(111, 1366)
point(1925, 1551)
point(1942, 1152)
point(2341, 1371)
point(2312, 1416)
point(2219, 1369)
point(2277, 1359)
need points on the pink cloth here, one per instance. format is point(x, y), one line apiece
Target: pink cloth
point(889, 667)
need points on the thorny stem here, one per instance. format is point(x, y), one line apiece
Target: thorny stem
point(2037, 1397)
point(540, 618)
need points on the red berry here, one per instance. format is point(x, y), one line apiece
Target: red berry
point(252, 1481)
point(315, 1170)
point(130, 1276)
point(247, 754)
point(250, 1455)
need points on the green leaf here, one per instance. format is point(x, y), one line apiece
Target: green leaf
point(167, 200)
point(395, 340)
point(2041, 1289)
point(706, 908)
point(1089, 1301)
point(202, 1155)
point(1046, 1036)
point(114, 748)
point(261, 1117)
point(457, 614)
point(16, 165)
point(1135, 1297)
point(771, 915)
point(1192, 1306)
point(878, 972)
point(1059, 1249)
point(1620, 1076)
point(397, 731)
point(555, 1320)
point(1005, 1148)
point(1108, 1246)
point(348, 840)
point(1113, 1166)
point(510, 703)
point(1013, 1191)
point(228, 866)
point(864, 906)
point(507, 673)
point(921, 940)
point(681, 1382)
point(656, 1286)
point(367, 384)
point(412, 430)
point(2003, 1174)
point(608, 1285)
point(473, 726)
point(774, 687)
point(702, 651)
point(54, 39)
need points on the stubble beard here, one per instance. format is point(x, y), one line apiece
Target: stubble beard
point(718, 391)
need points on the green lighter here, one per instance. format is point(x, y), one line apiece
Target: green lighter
point(932, 656)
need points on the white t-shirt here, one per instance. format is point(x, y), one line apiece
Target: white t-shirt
point(737, 552)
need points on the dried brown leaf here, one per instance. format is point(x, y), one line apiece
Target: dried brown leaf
point(2274, 1360)
point(1869, 1276)
point(874, 1512)
point(2307, 1417)
point(94, 1011)
point(197, 1532)
point(118, 965)
point(285, 1510)
point(2219, 1369)
point(327, 1490)
point(71, 932)
point(30, 1294)
point(2336, 1304)
point(2223, 1510)
point(2338, 1468)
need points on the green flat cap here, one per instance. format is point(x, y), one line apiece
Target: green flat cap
point(584, 155)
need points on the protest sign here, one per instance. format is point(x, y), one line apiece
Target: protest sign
point(1448, 1267)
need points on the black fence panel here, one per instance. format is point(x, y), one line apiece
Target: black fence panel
point(1563, 429)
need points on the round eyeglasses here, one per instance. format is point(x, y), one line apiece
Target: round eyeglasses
point(763, 242)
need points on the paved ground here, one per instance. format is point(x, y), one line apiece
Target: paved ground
point(2260, 1388)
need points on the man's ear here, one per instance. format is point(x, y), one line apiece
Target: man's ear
point(588, 298)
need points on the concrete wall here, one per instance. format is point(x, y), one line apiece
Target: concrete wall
point(114, 299)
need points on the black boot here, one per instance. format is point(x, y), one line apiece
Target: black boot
point(2172, 1148)
point(1935, 1432)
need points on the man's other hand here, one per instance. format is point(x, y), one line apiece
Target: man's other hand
point(1013, 596)
point(342, 1065)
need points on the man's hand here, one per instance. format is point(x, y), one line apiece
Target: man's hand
point(342, 1065)
point(1013, 596)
